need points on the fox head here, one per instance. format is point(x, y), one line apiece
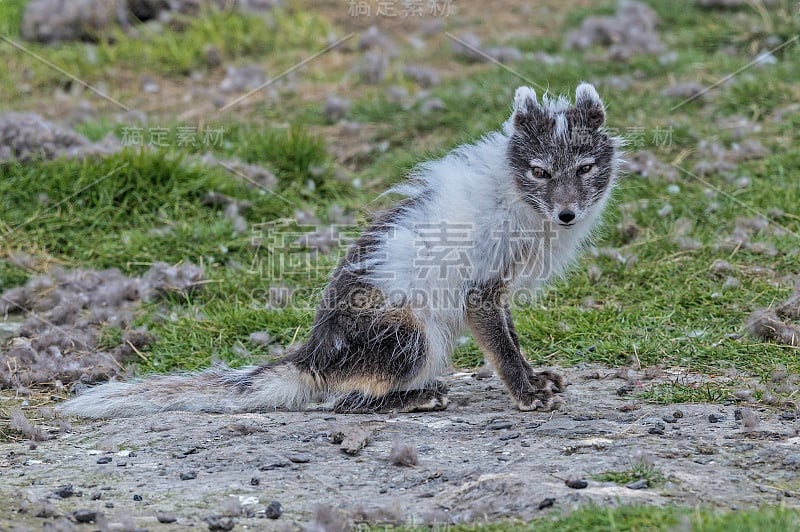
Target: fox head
point(564, 163)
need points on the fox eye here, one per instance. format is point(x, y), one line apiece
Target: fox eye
point(539, 173)
point(585, 169)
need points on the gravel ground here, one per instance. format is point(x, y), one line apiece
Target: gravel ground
point(479, 460)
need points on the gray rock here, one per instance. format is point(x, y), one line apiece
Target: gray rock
point(642, 483)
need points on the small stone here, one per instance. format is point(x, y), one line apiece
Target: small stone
point(166, 518)
point(109, 504)
point(188, 475)
point(255, 481)
point(299, 458)
point(85, 516)
point(137, 497)
point(510, 436)
point(104, 460)
point(715, 418)
point(547, 503)
point(658, 429)
point(669, 419)
point(96, 496)
point(677, 414)
point(499, 425)
point(640, 484)
point(484, 372)
point(624, 390)
point(792, 461)
point(273, 510)
point(65, 492)
point(743, 395)
point(216, 522)
point(576, 484)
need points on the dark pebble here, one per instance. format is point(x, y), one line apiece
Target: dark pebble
point(576, 483)
point(299, 458)
point(524, 444)
point(546, 503)
point(639, 484)
point(677, 414)
point(499, 425)
point(255, 481)
point(137, 497)
point(669, 419)
point(511, 436)
point(65, 492)
point(273, 510)
point(788, 416)
point(166, 518)
point(188, 475)
point(96, 496)
point(625, 390)
point(275, 463)
point(85, 516)
point(109, 504)
point(737, 414)
point(715, 418)
point(657, 429)
point(122, 464)
point(216, 522)
point(104, 460)
point(132, 454)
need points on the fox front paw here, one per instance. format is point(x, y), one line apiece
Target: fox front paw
point(540, 392)
point(548, 380)
point(543, 400)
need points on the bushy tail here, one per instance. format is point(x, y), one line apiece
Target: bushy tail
point(217, 390)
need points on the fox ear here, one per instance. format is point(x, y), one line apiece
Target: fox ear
point(588, 102)
point(524, 99)
point(525, 103)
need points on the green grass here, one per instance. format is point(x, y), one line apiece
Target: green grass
point(637, 472)
point(281, 37)
point(663, 308)
point(646, 519)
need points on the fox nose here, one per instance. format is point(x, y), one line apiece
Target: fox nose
point(566, 216)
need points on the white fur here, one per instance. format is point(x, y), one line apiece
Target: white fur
point(524, 99)
point(586, 93)
point(471, 188)
point(211, 391)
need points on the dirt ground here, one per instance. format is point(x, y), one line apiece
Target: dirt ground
point(478, 460)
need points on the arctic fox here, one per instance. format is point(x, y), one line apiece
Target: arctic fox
point(503, 214)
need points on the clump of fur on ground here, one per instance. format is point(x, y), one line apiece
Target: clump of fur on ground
point(67, 311)
point(775, 324)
